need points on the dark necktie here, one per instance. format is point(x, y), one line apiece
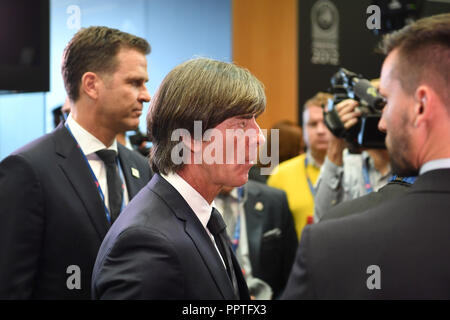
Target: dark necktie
point(217, 227)
point(115, 192)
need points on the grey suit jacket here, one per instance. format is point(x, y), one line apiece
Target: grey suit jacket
point(158, 249)
point(400, 246)
point(52, 217)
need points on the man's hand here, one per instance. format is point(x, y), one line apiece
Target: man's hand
point(349, 115)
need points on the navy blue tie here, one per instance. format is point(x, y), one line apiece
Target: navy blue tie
point(115, 191)
point(217, 227)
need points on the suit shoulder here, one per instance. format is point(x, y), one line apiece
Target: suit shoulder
point(37, 147)
point(134, 156)
point(265, 189)
point(370, 226)
point(131, 153)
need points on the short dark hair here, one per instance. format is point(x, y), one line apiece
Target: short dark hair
point(424, 49)
point(94, 49)
point(203, 90)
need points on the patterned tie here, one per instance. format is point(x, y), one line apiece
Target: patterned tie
point(217, 226)
point(115, 192)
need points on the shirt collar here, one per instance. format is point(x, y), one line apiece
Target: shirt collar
point(88, 143)
point(310, 159)
point(434, 165)
point(198, 204)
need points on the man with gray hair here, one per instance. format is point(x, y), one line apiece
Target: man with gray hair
point(398, 250)
point(171, 243)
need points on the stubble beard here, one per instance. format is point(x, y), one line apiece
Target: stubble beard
point(400, 158)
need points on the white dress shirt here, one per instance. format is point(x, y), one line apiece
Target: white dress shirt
point(90, 145)
point(195, 200)
point(435, 164)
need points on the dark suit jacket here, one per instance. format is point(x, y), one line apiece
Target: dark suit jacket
point(255, 174)
point(52, 217)
point(271, 234)
point(407, 238)
point(158, 249)
point(390, 191)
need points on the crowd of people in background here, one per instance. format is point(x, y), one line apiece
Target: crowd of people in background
point(84, 199)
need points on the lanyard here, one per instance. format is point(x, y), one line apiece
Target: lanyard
point(310, 185)
point(365, 172)
point(237, 228)
point(97, 184)
point(409, 180)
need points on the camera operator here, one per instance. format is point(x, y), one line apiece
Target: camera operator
point(345, 175)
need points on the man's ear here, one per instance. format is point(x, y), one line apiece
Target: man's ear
point(194, 146)
point(422, 106)
point(193, 149)
point(90, 83)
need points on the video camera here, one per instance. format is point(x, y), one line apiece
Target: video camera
point(140, 142)
point(348, 85)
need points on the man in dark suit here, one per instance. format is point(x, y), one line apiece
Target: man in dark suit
point(171, 243)
point(398, 250)
point(395, 188)
point(56, 201)
point(263, 235)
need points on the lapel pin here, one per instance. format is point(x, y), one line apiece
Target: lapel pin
point(259, 206)
point(135, 172)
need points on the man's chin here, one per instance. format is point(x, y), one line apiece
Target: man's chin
point(132, 125)
point(241, 179)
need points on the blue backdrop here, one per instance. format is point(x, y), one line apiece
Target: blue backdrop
point(176, 29)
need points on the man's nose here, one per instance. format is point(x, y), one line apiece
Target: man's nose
point(144, 95)
point(382, 123)
point(321, 127)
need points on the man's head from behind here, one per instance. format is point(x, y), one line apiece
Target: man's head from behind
point(213, 93)
point(415, 81)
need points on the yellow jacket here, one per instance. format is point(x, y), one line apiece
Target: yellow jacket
point(291, 177)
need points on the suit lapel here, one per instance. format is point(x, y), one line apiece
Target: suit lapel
point(195, 230)
point(133, 180)
point(242, 284)
point(209, 254)
point(254, 220)
point(77, 172)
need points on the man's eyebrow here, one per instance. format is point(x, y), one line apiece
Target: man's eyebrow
point(137, 78)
